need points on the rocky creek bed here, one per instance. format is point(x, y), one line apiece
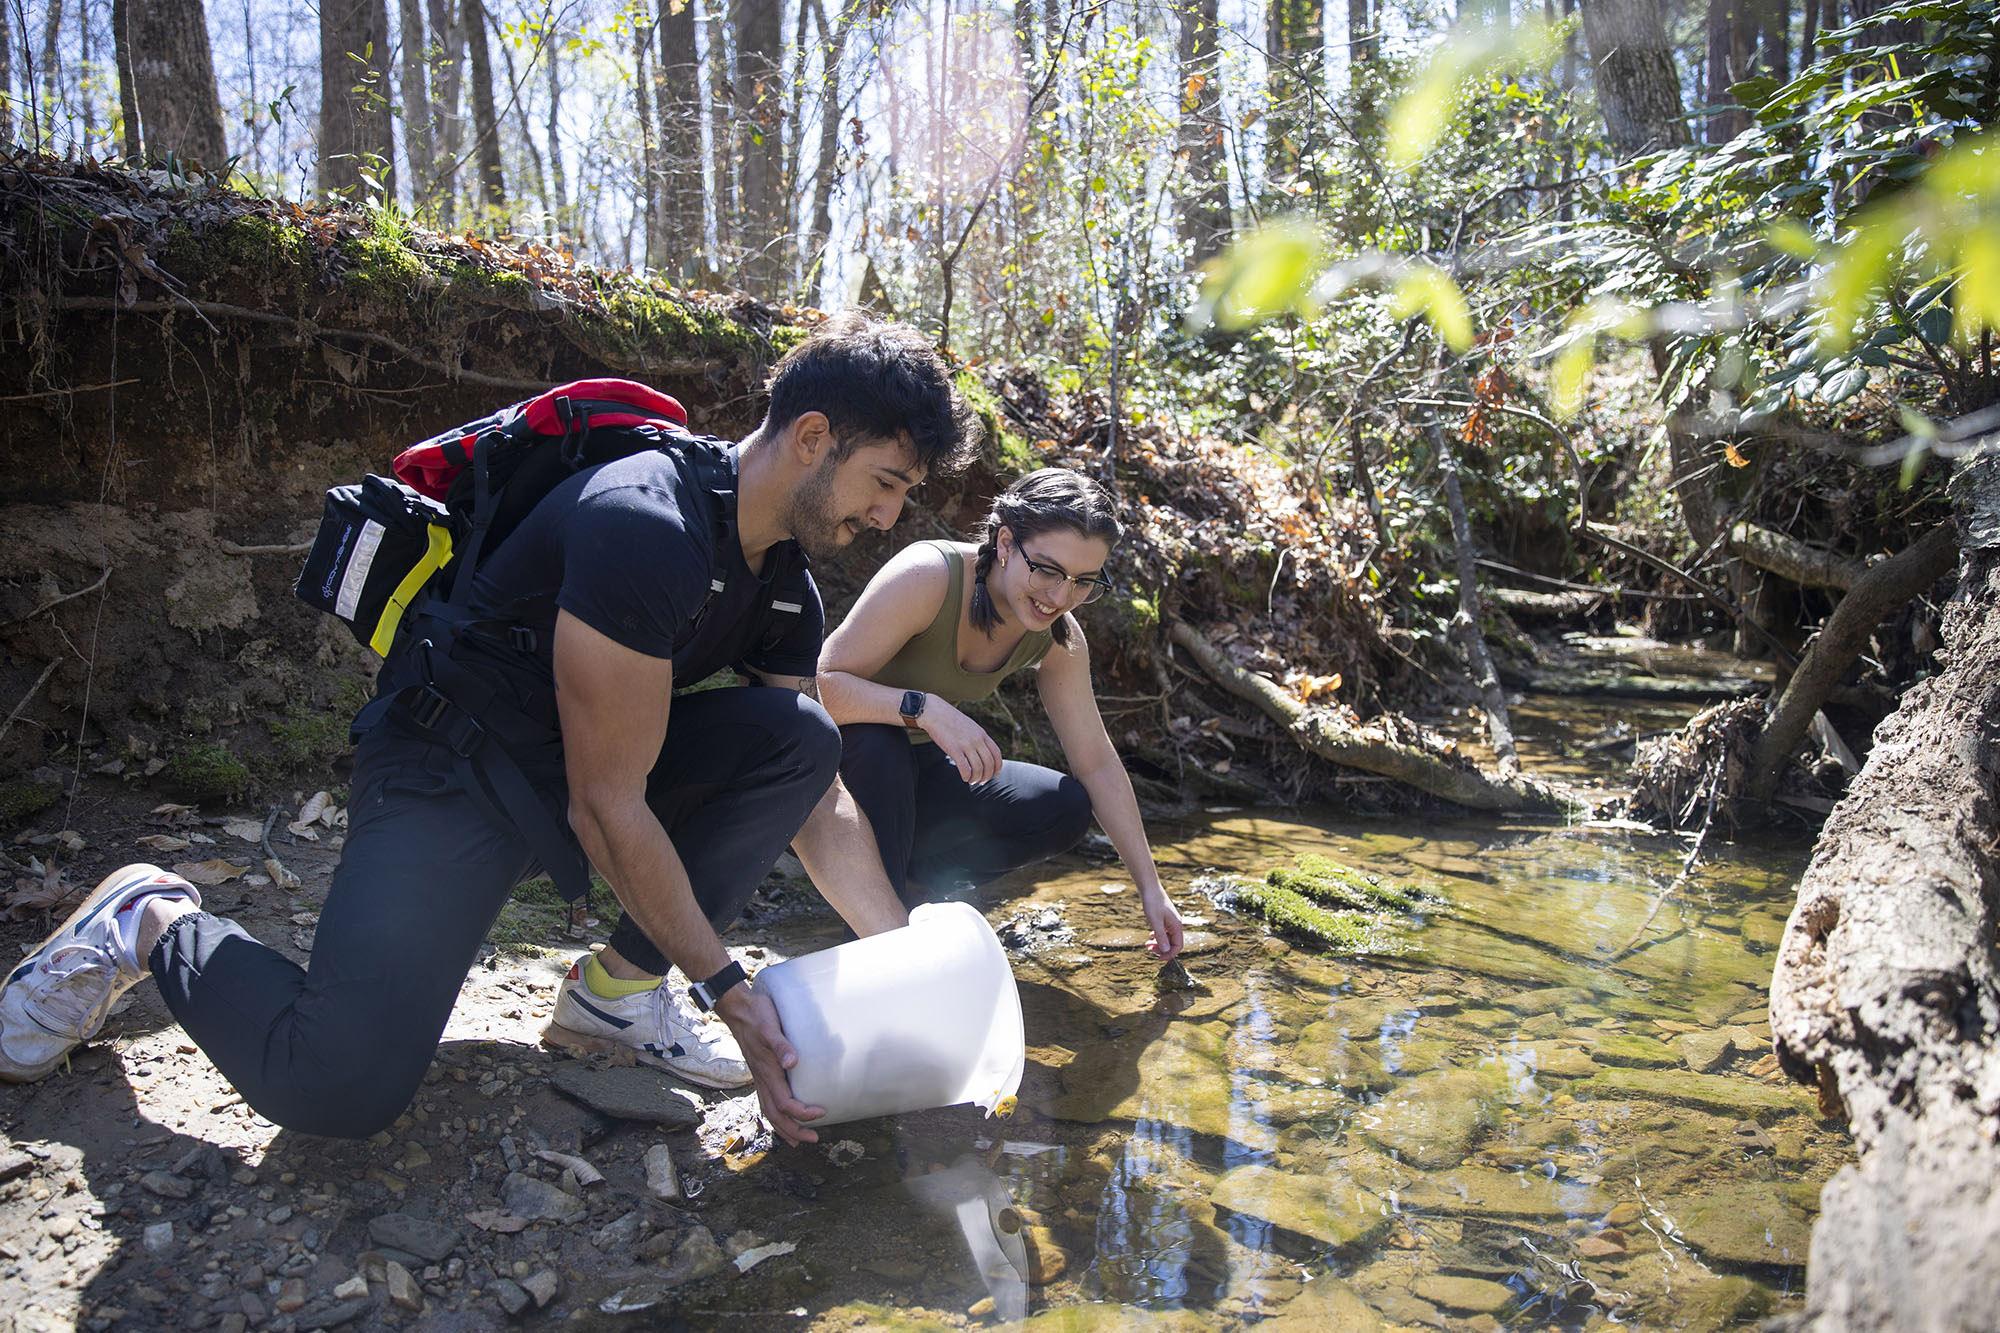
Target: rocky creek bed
point(1528, 1112)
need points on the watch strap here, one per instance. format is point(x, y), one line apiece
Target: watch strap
point(707, 992)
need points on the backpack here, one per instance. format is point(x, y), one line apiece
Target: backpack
point(384, 540)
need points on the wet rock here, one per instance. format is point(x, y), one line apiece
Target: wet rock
point(1743, 1223)
point(1468, 1295)
point(631, 1092)
point(508, 1292)
point(1289, 1106)
point(1705, 1052)
point(542, 1285)
point(167, 1185)
point(620, 1234)
point(1431, 1121)
point(1332, 1212)
point(1600, 1247)
point(1325, 1303)
point(1553, 1059)
point(1047, 1260)
point(539, 1201)
point(1548, 1000)
point(1624, 1215)
point(403, 1288)
point(1177, 1073)
point(696, 1256)
point(1194, 943)
point(420, 1236)
point(1035, 929)
point(1724, 1302)
point(1343, 1058)
point(1489, 1192)
point(1740, 1097)
point(1629, 1048)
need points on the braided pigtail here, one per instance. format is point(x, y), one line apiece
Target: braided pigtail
point(984, 615)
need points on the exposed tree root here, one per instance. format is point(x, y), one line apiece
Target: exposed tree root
point(1790, 558)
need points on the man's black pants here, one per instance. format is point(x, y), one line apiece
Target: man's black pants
point(340, 1046)
point(939, 836)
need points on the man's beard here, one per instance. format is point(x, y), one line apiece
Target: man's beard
point(809, 513)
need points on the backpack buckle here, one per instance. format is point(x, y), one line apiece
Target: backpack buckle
point(522, 638)
point(453, 727)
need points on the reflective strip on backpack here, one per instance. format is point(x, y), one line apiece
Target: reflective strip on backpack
point(794, 607)
point(356, 576)
point(435, 555)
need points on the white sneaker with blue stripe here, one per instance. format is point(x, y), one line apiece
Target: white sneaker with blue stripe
point(58, 996)
point(657, 1026)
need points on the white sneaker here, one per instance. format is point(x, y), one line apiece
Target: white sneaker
point(658, 1026)
point(58, 996)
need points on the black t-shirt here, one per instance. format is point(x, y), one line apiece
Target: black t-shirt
point(629, 548)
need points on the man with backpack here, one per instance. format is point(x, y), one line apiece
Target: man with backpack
point(526, 719)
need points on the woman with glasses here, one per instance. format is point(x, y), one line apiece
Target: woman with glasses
point(943, 624)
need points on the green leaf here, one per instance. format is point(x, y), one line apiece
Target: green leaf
point(1978, 306)
point(1269, 272)
point(1789, 236)
point(1425, 289)
point(1422, 114)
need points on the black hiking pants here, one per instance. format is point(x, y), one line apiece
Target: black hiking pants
point(340, 1046)
point(939, 836)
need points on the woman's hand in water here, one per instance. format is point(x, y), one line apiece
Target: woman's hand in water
point(1165, 919)
point(964, 742)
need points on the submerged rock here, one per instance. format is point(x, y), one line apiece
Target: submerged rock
point(1482, 1191)
point(1740, 1097)
point(1326, 1303)
point(1629, 1048)
point(1705, 1052)
point(1468, 1295)
point(1746, 1223)
point(1431, 1121)
point(1549, 999)
point(1333, 1212)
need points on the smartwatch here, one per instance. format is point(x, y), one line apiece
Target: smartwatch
point(706, 993)
point(912, 706)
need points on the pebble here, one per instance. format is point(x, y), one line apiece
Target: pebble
point(354, 1287)
point(333, 1316)
point(1624, 1215)
point(167, 1186)
point(159, 1237)
point(661, 1178)
point(279, 1215)
point(417, 1235)
point(980, 1308)
point(1599, 1247)
point(619, 1235)
point(291, 1296)
point(509, 1293)
point(542, 1286)
point(403, 1289)
point(536, 1199)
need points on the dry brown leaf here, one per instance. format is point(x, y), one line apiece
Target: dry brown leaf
point(163, 842)
point(280, 876)
point(250, 830)
point(315, 806)
point(210, 873)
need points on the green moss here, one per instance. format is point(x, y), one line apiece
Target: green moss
point(205, 771)
point(1006, 450)
point(380, 265)
point(1335, 885)
point(1292, 914)
point(305, 736)
point(23, 799)
point(250, 244)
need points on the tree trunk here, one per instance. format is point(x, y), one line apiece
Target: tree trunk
point(518, 104)
point(51, 68)
point(355, 134)
point(1774, 39)
point(485, 120)
point(447, 86)
point(1296, 38)
point(1637, 87)
point(558, 185)
point(1364, 43)
point(1728, 59)
point(643, 93)
point(1875, 594)
point(7, 73)
point(1809, 36)
point(417, 133)
point(174, 105)
point(1204, 199)
point(827, 165)
point(1886, 992)
point(722, 115)
point(1788, 558)
point(1322, 732)
point(1466, 624)
point(128, 82)
point(759, 131)
point(683, 192)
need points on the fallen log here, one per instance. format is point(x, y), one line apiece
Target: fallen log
point(1324, 733)
point(1794, 560)
point(1886, 992)
point(1878, 592)
point(1549, 605)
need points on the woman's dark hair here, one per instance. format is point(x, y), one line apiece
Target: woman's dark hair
point(1054, 497)
point(875, 382)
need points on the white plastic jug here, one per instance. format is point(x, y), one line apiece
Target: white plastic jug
point(924, 1016)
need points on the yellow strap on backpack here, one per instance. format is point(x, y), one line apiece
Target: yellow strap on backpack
point(436, 554)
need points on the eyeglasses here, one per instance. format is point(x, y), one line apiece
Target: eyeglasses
point(1045, 578)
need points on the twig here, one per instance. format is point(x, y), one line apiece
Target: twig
point(283, 548)
point(264, 838)
point(57, 393)
point(1687, 863)
point(29, 697)
point(55, 602)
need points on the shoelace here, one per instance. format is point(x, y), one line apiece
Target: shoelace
point(685, 1017)
point(72, 1000)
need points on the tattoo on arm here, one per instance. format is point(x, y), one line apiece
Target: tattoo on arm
point(809, 687)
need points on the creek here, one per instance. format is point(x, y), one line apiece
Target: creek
point(1544, 1110)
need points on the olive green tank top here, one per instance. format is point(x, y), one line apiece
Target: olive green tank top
point(929, 661)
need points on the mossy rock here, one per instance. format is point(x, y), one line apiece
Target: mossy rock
point(206, 772)
point(24, 798)
point(1325, 881)
point(1295, 916)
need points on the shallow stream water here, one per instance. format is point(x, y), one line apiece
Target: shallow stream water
point(1556, 1107)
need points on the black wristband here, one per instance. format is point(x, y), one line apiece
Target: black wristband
point(707, 993)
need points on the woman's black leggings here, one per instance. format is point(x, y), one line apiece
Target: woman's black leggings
point(938, 836)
